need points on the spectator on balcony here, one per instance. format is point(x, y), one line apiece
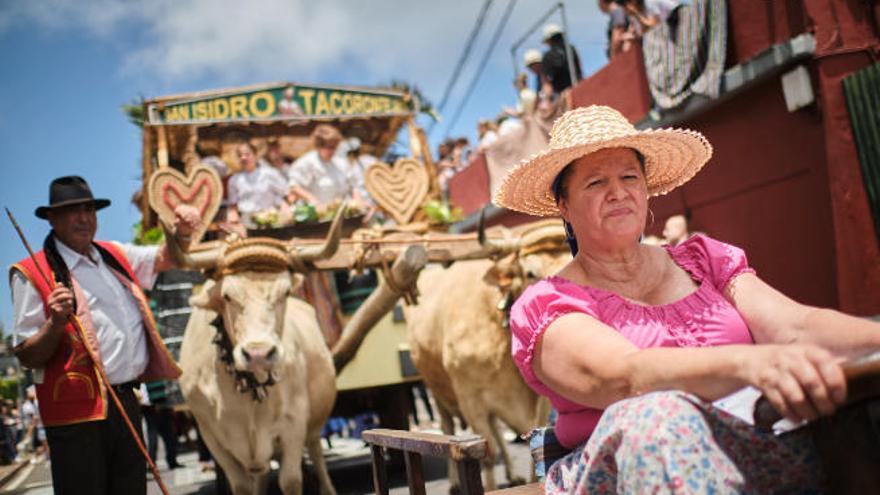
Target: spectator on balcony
point(461, 153)
point(444, 150)
point(487, 132)
point(508, 124)
point(650, 13)
point(526, 98)
point(554, 63)
point(620, 33)
point(532, 60)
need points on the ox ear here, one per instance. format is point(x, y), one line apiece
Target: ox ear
point(296, 281)
point(502, 273)
point(208, 297)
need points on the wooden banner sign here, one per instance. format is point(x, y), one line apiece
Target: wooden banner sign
point(281, 101)
point(398, 190)
point(168, 188)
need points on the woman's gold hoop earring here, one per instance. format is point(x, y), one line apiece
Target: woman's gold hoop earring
point(652, 217)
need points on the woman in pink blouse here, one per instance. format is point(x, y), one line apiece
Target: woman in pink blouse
point(632, 342)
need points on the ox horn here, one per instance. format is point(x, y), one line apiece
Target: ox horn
point(307, 254)
point(494, 247)
point(199, 260)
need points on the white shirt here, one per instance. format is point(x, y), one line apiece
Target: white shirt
point(510, 125)
point(662, 8)
point(356, 173)
point(488, 138)
point(118, 322)
point(260, 189)
point(326, 181)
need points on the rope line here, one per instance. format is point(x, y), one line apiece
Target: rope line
point(482, 66)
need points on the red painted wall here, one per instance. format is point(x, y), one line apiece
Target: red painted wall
point(847, 41)
point(765, 190)
point(621, 84)
point(755, 25)
point(469, 188)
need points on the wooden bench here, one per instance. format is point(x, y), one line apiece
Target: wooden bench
point(465, 450)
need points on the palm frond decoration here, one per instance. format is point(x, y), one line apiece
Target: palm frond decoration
point(134, 111)
point(425, 105)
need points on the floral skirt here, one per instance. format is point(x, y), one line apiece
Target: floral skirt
point(673, 442)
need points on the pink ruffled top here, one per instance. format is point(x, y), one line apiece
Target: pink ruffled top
point(702, 318)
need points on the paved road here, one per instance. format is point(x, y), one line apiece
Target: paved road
point(350, 471)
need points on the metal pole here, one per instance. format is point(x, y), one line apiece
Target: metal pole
point(515, 67)
point(565, 39)
point(534, 27)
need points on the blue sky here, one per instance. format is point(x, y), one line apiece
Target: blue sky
point(67, 66)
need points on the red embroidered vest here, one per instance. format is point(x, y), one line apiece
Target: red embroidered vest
point(71, 391)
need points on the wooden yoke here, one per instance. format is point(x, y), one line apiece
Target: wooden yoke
point(397, 281)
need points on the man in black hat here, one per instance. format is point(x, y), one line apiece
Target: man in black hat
point(98, 285)
point(554, 64)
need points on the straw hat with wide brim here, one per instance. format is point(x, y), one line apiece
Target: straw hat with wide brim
point(672, 157)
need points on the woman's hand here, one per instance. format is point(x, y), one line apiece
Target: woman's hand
point(802, 382)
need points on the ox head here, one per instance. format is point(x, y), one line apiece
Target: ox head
point(523, 257)
point(253, 279)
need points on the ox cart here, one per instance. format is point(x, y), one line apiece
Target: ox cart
point(180, 131)
point(368, 340)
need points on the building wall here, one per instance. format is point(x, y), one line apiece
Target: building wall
point(765, 190)
point(755, 25)
point(620, 84)
point(469, 188)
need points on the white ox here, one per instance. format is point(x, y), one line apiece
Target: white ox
point(277, 390)
point(461, 346)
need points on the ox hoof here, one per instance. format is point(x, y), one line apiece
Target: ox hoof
point(516, 481)
point(454, 490)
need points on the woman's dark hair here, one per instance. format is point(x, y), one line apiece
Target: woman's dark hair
point(250, 145)
point(559, 193)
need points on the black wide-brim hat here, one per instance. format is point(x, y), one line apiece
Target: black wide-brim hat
point(68, 191)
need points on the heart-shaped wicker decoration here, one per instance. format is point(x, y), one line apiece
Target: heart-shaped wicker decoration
point(399, 190)
point(203, 190)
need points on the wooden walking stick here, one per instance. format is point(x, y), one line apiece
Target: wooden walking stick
point(98, 366)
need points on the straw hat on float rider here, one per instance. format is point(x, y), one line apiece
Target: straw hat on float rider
point(672, 157)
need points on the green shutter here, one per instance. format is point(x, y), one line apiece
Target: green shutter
point(862, 90)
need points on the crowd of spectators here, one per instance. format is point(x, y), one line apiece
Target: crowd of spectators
point(551, 73)
point(453, 155)
point(628, 20)
point(23, 433)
